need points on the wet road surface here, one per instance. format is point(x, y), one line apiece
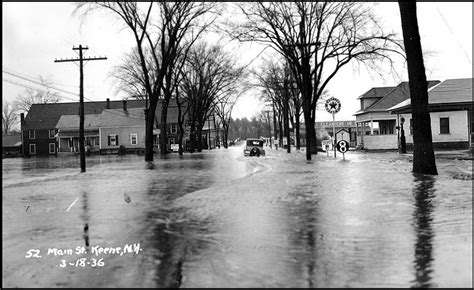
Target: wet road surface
point(217, 219)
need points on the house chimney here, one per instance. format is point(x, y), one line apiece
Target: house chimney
point(22, 118)
point(108, 104)
point(124, 105)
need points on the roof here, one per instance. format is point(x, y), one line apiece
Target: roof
point(171, 115)
point(451, 91)
point(378, 92)
point(131, 117)
point(396, 95)
point(109, 117)
point(172, 112)
point(46, 116)
point(13, 140)
point(72, 121)
point(448, 92)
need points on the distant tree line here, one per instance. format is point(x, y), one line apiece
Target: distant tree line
point(244, 128)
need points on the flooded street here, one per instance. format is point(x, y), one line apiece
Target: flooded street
point(218, 219)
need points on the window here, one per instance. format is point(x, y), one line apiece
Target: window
point(32, 134)
point(113, 140)
point(171, 141)
point(444, 125)
point(133, 139)
point(386, 127)
point(32, 149)
point(52, 133)
point(174, 129)
point(52, 148)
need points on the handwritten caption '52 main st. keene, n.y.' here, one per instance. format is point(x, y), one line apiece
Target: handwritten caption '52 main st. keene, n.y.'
point(92, 260)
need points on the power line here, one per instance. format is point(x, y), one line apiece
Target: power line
point(39, 78)
point(67, 98)
point(31, 88)
point(454, 36)
point(47, 86)
point(39, 83)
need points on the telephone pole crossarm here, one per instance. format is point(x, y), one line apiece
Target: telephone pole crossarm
point(81, 60)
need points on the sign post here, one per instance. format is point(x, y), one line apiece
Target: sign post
point(342, 146)
point(333, 106)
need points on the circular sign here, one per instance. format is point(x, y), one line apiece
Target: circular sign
point(332, 105)
point(342, 146)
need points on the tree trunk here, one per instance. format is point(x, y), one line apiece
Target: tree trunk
point(226, 136)
point(199, 138)
point(181, 133)
point(149, 124)
point(163, 134)
point(280, 131)
point(423, 153)
point(297, 133)
point(180, 138)
point(308, 125)
point(275, 130)
point(314, 141)
point(307, 122)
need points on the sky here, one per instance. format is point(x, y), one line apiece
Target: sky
point(35, 34)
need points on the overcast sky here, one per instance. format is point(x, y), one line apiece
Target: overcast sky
point(35, 34)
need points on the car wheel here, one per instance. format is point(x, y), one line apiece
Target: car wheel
point(254, 152)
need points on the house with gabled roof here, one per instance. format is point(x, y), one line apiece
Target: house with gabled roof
point(105, 132)
point(383, 133)
point(451, 112)
point(39, 126)
point(11, 145)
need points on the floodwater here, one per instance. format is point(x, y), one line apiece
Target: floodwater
point(218, 219)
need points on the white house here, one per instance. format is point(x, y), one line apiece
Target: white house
point(451, 112)
point(383, 132)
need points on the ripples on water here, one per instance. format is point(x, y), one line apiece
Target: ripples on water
point(214, 219)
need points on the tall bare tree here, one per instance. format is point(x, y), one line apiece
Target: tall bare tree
point(210, 75)
point(223, 110)
point(44, 96)
point(9, 117)
point(158, 29)
point(317, 39)
point(423, 152)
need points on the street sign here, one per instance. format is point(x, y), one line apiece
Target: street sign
point(342, 146)
point(332, 105)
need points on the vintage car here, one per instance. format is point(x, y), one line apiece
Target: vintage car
point(254, 147)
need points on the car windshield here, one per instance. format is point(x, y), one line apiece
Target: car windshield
point(255, 143)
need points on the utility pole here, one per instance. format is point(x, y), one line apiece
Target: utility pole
point(81, 60)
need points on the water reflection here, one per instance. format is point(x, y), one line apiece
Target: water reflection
point(422, 218)
point(85, 216)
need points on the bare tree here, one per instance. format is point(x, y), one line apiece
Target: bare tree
point(423, 152)
point(129, 74)
point(30, 96)
point(317, 39)
point(158, 29)
point(223, 110)
point(9, 117)
point(210, 75)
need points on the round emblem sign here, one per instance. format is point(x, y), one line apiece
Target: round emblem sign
point(342, 146)
point(332, 105)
